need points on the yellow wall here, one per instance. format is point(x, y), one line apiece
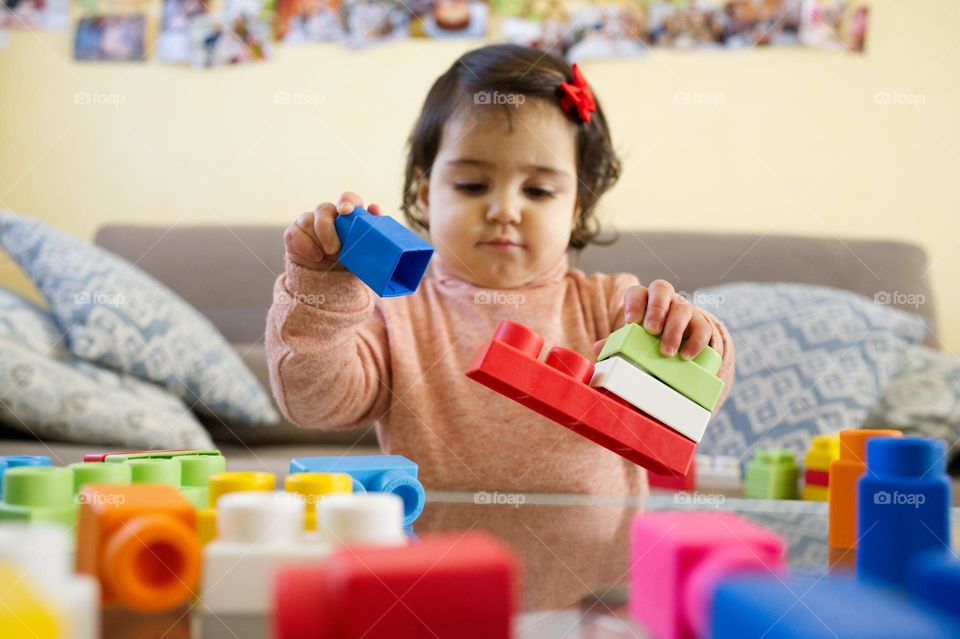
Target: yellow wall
point(799, 144)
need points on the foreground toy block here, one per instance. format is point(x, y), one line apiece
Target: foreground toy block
point(935, 580)
point(25, 614)
point(816, 607)
point(824, 450)
point(771, 474)
point(39, 493)
point(384, 254)
point(845, 472)
point(456, 586)
point(373, 473)
point(652, 396)
point(903, 500)
point(40, 556)
point(313, 487)
point(558, 389)
point(677, 559)
point(141, 542)
point(695, 378)
point(14, 461)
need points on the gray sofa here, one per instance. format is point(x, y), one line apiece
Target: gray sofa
point(227, 273)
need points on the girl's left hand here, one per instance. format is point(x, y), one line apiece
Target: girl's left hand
point(671, 316)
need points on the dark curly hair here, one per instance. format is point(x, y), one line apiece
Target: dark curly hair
point(511, 69)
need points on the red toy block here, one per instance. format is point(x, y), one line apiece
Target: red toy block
point(816, 478)
point(450, 586)
point(559, 388)
point(686, 481)
point(102, 457)
point(678, 558)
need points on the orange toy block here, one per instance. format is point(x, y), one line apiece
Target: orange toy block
point(140, 542)
point(844, 473)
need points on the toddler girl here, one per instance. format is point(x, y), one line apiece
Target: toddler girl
point(506, 163)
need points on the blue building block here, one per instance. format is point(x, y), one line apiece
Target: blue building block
point(903, 507)
point(935, 581)
point(816, 607)
point(384, 254)
point(373, 473)
point(12, 461)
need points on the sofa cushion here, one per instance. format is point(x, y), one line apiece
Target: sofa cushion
point(810, 360)
point(112, 313)
point(47, 392)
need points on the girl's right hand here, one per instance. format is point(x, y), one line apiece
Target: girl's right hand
point(312, 241)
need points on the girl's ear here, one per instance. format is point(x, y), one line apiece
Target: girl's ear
point(423, 194)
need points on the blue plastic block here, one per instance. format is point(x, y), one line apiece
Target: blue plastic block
point(935, 581)
point(373, 473)
point(12, 461)
point(817, 607)
point(903, 507)
point(383, 253)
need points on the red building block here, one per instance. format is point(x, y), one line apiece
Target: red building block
point(687, 481)
point(559, 389)
point(450, 586)
point(678, 558)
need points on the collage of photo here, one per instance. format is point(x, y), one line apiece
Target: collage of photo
point(243, 31)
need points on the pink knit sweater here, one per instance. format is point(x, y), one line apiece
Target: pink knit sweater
point(340, 357)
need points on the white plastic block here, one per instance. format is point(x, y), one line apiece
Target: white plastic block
point(258, 532)
point(43, 554)
point(361, 518)
point(652, 396)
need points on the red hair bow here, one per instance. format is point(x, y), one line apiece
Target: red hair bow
point(577, 95)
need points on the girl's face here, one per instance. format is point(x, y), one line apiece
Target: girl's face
point(501, 202)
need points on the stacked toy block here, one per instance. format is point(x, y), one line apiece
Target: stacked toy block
point(650, 409)
point(824, 450)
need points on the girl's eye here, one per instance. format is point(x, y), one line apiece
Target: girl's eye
point(471, 187)
point(538, 193)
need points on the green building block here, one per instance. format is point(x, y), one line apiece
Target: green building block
point(195, 472)
point(696, 378)
point(772, 474)
point(98, 473)
point(187, 470)
point(39, 493)
point(159, 454)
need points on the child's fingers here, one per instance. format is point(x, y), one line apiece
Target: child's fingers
point(634, 304)
point(716, 339)
point(324, 229)
point(699, 331)
point(660, 296)
point(348, 201)
point(598, 346)
point(301, 247)
point(374, 209)
point(678, 317)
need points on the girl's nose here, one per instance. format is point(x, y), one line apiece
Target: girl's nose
point(504, 209)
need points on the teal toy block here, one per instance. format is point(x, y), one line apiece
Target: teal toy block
point(15, 461)
point(772, 474)
point(696, 379)
point(39, 493)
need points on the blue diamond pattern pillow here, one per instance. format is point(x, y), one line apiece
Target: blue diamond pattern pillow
point(50, 393)
point(114, 314)
point(810, 360)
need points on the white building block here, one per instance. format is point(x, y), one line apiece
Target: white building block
point(652, 396)
point(362, 518)
point(42, 553)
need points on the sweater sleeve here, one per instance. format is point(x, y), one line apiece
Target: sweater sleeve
point(621, 282)
point(327, 349)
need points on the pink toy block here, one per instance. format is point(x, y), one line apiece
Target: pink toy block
point(678, 558)
point(449, 586)
point(558, 388)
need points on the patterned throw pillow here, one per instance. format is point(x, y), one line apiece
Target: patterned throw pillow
point(114, 314)
point(923, 399)
point(810, 360)
point(50, 393)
